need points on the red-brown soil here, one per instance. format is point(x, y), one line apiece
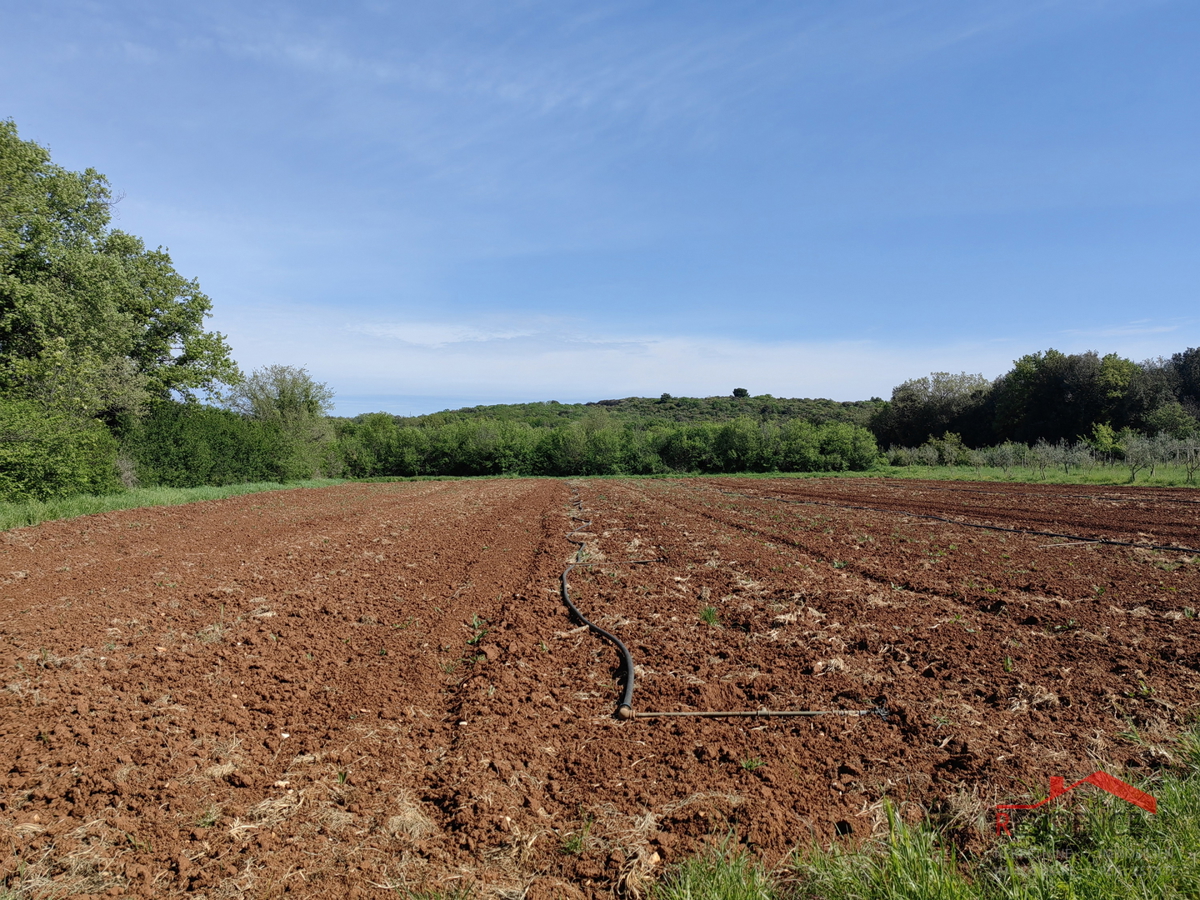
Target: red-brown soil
point(346, 691)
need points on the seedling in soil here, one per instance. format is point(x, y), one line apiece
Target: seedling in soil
point(342, 777)
point(210, 817)
point(1008, 664)
point(838, 564)
point(480, 632)
point(1189, 612)
point(752, 763)
point(1143, 690)
point(940, 721)
point(708, 615)
point(1132, 734)
point(574, 844)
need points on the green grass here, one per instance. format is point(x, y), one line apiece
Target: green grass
point(1089, 847)
point(32, 512)
point(726, 872)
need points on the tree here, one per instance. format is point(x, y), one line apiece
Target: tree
point(740, 392)
point(288, 398)
point(1187, 371)
point(941, 402)
point(91, 322)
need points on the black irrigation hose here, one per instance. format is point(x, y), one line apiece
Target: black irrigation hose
point(625, 706)
point(914, 515)
point(880, 711)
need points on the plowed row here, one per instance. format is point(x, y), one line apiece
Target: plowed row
point(344, 691)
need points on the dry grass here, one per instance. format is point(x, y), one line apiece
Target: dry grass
point(410, 821)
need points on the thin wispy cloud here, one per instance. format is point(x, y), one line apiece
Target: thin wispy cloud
point(549, 198)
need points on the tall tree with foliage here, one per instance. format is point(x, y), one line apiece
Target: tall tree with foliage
point(941, 402)
point(92, 323)
point(288, 399)
point(93, 327)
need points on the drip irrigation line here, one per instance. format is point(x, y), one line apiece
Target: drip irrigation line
point(1073, 537)
point(880, 711)
point(625, 705)
point(893, 483)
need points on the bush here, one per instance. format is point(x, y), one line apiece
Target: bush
point(189, 445)
point(44, 455)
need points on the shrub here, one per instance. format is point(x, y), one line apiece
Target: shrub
point(46, 455)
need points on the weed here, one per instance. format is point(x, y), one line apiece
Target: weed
point(752, 763)
point(477, 626)
point(1008, 664)
point(708, 615)
point(209, 817)
point(838, 564)
point(342, 777)
point(574, 843)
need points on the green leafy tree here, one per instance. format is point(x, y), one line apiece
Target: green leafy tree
point(91, 321)
point(936, 404)
point(288, 398)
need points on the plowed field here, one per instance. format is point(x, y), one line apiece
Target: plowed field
point(345, 691)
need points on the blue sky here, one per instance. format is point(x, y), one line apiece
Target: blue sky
point(434, 205)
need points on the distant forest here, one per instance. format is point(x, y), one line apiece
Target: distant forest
point(665, 409)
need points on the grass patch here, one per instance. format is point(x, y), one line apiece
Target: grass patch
point(33, 512)
point(725, 872)
point(1090, 846)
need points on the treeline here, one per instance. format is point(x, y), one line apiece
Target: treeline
point(184, 445)
point(378, 444)
point(108, 379)
point(95, 328)
point(1051, 397)
point(645, 412)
